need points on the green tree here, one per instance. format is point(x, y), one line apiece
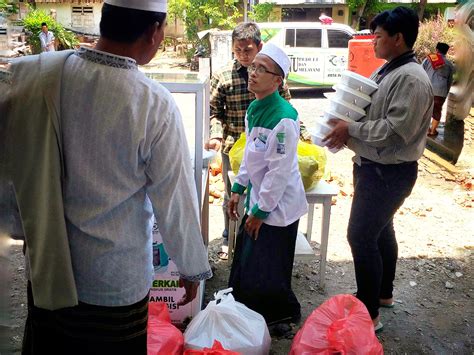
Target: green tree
point(8, 7)
point(199, 15)
point(430, 33)
point(32, 23)
point(177, 9)
point(361, 8)
point(204, 14)
point(262, 12)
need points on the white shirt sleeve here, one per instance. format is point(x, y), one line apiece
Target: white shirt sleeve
point(172, 191)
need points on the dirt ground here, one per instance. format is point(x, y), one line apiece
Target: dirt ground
point(433, 311)
point(434, 285)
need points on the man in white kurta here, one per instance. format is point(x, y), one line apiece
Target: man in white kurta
point(264, 253)
point(116, 130)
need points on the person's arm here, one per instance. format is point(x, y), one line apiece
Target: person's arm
point(425, 64)
point(407, 103)
point(304, 133)
point(171, 189)
point(242, 179)
point(285, 92)
point(217, 105)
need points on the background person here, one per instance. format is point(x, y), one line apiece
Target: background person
point(262, 266)
point(46, 39)
point(440, 71)
point(116, 129)
point(388, 141)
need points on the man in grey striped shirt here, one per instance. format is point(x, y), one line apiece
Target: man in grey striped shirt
point(387, 142)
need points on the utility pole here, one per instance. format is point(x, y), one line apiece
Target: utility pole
point(245, 11)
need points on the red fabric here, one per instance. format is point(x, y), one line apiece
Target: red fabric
point(217, 349)
point(162, 336)
point(436, 60)
point(340, 325)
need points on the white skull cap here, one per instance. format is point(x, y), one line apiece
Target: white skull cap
point(145, 5)
point(277, 55)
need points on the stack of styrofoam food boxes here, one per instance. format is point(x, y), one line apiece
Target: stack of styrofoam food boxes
point(348, 103)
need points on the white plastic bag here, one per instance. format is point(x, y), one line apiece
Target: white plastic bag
point(237, 327)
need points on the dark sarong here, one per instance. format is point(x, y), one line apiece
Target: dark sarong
point(261, 271)
point(438, 107)
point(86, 329)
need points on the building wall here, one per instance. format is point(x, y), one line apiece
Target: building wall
point(344, 18)
point(64, 15)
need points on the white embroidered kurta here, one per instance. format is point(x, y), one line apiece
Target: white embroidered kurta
point(126, 158)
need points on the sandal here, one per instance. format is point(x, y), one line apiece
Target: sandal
point(222, 255)
point(386, 304)
point(432, 134)
point(378, 328)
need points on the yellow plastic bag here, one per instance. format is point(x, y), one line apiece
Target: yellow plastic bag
point(311, 163)
point(311, 160)
point(236, 153)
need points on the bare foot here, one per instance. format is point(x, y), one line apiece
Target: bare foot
point(376, 320)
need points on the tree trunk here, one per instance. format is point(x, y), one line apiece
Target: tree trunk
point(421, 9)
point(358, 15)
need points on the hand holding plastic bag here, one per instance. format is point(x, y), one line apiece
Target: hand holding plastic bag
point(340, 325)
point(237, 327)
point(162, 336)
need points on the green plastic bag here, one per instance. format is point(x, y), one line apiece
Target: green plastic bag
point(311, 160)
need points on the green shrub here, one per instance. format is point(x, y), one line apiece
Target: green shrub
point(8, 7)
point(32, 24)
point(430, 33)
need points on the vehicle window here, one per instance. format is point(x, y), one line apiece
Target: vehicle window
point(290, 38)
point(308, 37)
point(338, 39)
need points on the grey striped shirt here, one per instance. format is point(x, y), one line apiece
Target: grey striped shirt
point(394, 129)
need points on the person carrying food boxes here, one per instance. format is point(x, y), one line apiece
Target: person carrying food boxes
point(388, 141)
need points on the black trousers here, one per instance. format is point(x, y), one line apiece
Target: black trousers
point(379, 191)
point(262, 269)
point(86, 329)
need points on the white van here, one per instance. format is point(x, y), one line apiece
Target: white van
point(318, 53)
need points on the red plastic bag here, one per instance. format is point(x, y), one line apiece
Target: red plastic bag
point(217, 349)
point(340, 325)
point(163, 337)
